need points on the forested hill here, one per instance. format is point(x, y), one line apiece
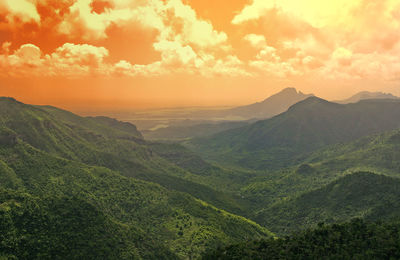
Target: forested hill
point(101, 141)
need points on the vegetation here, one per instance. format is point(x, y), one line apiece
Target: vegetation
point(360, 194)
point(67, 227)
point(106, 142)
point(59, 199)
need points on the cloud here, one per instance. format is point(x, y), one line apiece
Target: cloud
point(80, 60)
point(172, 19)
point(73, 60)
point(274, 38)
point(342, 56)
point(69, 60)
point(177, 58)
point(21, 10)
point(314, 12)
point(347, 65)
point(337, 39)
point(253, 11)
point(82, 22)
point(255, 40)
point(194, 30)
point(268, 62)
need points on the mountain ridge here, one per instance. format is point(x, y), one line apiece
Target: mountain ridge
point(304, 127)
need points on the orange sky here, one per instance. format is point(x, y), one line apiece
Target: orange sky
point(122, 54)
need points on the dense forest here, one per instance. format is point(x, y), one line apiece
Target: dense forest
point(356, 239)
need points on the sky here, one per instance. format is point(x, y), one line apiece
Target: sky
point(137, 54)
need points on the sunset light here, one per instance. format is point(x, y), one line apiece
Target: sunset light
point(163, 53)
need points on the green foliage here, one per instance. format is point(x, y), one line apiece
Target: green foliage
point(64, 227)
point(354, 240)
point(136, 205)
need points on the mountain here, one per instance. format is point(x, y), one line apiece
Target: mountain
point(68, 180)
point(378, 153)
point(356, 239)
point(366, 95)
point(359, 194)
point(271, 106)
point(286, 139)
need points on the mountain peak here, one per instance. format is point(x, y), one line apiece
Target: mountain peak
point(310, 103)
point(271, 106)
point(289, 90)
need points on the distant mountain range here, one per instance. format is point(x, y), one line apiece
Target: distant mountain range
point(281, 101)
point(366, 95)
point(208, 122)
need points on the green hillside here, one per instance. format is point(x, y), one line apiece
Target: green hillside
point(101, 141)
point(288, 138)
point(179, 222)
point(68, 227)
point(356, 195)
point(376, 153)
